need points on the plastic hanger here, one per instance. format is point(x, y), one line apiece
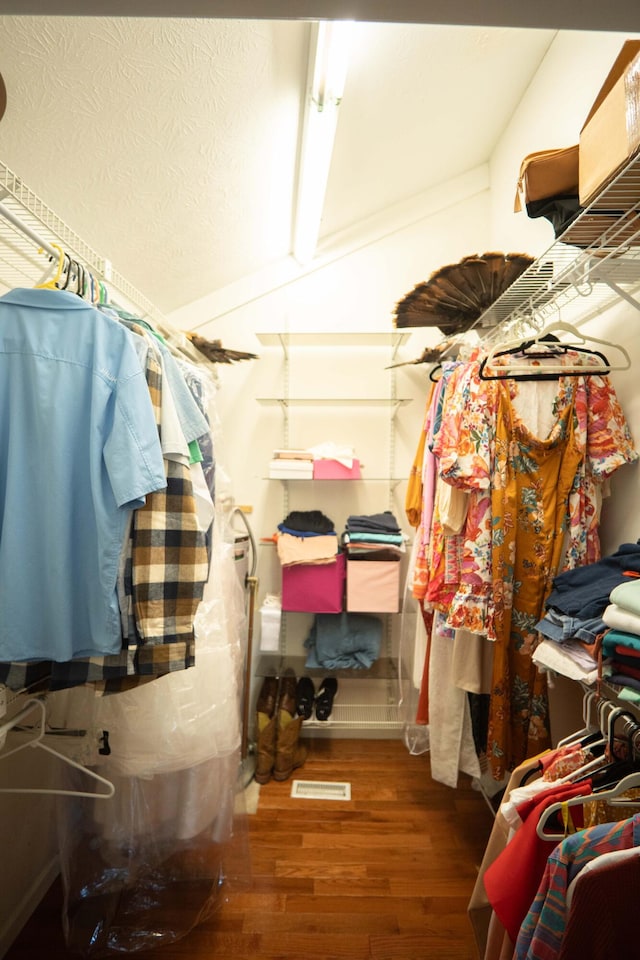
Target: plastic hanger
point(54, 282)
point(520, 369)
point(37, 743)
point(630, 779)
point(627, 783)
point(606, 767)
point(588, 701)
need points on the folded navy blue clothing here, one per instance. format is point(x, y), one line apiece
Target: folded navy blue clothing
point(584, 592)
point(374, 522)
point(622, 680)
point(310, 521)
point(302, 533)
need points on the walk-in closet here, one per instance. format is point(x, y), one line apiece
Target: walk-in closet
point(319, 452)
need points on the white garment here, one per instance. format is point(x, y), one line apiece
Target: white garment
point(451, 736)
point(174, 444)
point(452, 504)
point(569, 659)
point(205, 510)
point(620, 619)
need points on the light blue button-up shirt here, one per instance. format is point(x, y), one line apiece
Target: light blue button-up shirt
point(79, 450)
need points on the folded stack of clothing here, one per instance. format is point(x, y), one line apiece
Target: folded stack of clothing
point(621, 643)
point(306, 536)
point(374, 536)
point(579, 612)
point(343, 641)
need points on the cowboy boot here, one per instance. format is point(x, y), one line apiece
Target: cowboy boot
point(266, 728)
point(289, 753)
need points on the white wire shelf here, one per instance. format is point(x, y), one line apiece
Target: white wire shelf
point(20, 261)
point(594, 262)
point(29, 234)
point(274, 665)
point(379, 716)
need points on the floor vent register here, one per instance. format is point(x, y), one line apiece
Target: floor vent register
point(320, 790)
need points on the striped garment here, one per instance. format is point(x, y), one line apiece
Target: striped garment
point(541, 933)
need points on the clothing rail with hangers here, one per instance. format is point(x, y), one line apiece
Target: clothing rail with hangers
point(32, 239)
point(31, 233)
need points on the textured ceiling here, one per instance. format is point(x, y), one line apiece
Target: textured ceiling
point(171, 145)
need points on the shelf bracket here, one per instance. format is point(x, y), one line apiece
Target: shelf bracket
point(622, 293)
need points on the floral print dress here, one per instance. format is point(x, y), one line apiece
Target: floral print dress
point(533, 506)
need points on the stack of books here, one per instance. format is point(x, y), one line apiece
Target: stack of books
point(291, 465)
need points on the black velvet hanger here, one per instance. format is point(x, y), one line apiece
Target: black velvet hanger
point(558, 349)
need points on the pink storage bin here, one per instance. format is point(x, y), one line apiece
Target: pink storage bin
point(314, 587)
point(373, 586)
point(334, 470)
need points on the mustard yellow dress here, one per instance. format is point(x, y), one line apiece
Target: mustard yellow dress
point(532, 481)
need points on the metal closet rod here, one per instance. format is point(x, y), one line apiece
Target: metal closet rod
point(184, 346)
point(31, 234)
point(28, 232)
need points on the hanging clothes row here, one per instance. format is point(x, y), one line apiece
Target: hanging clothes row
point(106, 484)
point(558, 874)
point(117, 568)
point(512, 471)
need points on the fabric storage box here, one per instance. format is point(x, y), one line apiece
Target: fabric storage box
point(314, 587)
point(373, 586)
point(611, 132)
point(334, 470)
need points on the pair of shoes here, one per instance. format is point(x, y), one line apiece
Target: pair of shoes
point(306, 698)
point(278, 730)
point(325, 697)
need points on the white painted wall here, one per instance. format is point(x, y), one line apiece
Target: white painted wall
point(355, 287)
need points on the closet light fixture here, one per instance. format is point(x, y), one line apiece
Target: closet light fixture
point(328, 60)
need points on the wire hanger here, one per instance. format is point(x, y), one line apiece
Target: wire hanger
point(37, 743)
point(521, 369)
point(632, 779)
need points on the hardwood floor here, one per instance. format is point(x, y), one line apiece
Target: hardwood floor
point(384, 876)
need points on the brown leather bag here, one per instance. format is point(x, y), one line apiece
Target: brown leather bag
point(545, 174)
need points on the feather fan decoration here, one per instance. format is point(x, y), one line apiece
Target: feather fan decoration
point(455, 296)
point(215, 352)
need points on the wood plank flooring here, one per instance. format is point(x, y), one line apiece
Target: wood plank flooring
point(384, 876)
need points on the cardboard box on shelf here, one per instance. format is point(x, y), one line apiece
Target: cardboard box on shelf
point(610, 135)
